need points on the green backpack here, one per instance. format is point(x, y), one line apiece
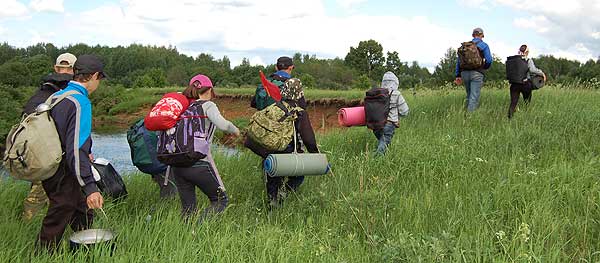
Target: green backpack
point(261, 99)
point(273, 127)
point(33, 149)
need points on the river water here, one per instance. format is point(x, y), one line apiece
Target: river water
point(114, 148)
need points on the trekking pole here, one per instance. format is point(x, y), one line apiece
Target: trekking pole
point(166, 181)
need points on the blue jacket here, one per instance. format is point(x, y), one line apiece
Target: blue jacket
point(283, 74)
point(487, 55)
point(73, 119)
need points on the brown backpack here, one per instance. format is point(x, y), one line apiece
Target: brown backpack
point(470, 56)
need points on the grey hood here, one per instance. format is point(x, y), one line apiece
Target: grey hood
point(390, 81)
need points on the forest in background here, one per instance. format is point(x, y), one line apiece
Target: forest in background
point(139, 66)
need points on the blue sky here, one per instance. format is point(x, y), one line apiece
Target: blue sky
point(262, 30)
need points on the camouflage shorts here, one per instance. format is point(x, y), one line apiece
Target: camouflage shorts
point(35, 201)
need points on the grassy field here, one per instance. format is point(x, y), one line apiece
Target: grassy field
point(453, 188)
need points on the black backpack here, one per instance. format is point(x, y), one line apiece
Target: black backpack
point(377, 107)
point(516, 69)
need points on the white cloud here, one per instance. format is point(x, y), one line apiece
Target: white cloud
point(256, 60)
point(349, 4)
point(569, 25)
point(12, 8)
point(539, 24)
point(259, 29)
point(474, 3)
point(47, 5)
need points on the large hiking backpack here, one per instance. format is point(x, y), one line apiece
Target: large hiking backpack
point(165, 114)
point(273, 127)
point(33, 149)
point(142, 144)
point(516, 69)
point(261, 98)
point(377, 107)
point(108, 179)
point(470, 56)
point(187, 142)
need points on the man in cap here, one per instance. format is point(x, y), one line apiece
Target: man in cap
point(284, 67)
point(472, 76)
point(51, 83)
point(72, 191)
point(291, 92)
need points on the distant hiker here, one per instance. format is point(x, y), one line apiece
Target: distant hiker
point(53, 82)
point(72, 191)
point(293, 95)
point(474, 58)
point(202, 117)
point(520, 70)
point(389, 104)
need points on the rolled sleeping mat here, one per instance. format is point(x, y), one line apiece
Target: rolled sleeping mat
point(294, 164)
point(537, 82)
point(354, 116)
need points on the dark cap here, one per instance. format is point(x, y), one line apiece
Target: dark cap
point(284, 62)
point(89, 64)
point(478, 31)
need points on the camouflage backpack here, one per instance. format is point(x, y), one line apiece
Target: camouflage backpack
point(470, 56)
point(273, 127)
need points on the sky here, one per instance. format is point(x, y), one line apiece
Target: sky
point(262, 30)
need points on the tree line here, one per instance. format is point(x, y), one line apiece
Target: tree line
point(138, 66)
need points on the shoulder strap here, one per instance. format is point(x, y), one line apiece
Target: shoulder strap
point(59, 98)
point(51, 85)
point(277, 77)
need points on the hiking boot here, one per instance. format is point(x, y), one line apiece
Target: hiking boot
point(275, 203)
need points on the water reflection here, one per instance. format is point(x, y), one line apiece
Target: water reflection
point(114, 148)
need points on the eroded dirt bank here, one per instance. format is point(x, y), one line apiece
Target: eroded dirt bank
point(323, 113)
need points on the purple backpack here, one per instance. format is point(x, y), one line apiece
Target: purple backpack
point(187, 142)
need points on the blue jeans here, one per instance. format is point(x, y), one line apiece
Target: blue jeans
point(473, 81)
point(384, 136)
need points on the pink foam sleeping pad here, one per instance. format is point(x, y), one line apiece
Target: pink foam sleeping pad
point(354, 116)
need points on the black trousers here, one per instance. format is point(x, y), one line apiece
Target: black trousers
point(274, 184)
point(204, 176)
point(67, 207)
point(515, 91)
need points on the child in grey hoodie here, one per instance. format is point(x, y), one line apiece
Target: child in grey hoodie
point(398, 108)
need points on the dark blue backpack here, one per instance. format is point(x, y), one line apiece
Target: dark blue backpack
point(142, 144)
point(187, 142)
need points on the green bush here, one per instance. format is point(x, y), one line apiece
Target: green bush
point(11, 104)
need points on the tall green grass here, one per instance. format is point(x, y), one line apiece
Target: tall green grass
point(454, 187)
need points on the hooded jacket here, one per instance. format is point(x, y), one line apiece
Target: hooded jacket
point(398, 106)
point(51, 83)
